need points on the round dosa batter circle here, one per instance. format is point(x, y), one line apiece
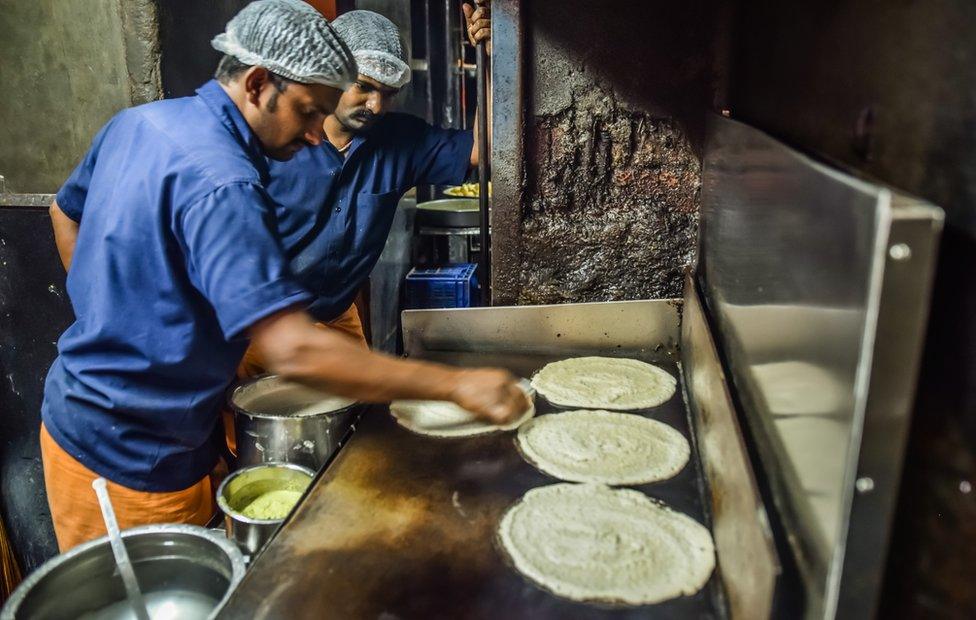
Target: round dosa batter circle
point(604, 383)
point(446, 419)
point(603, 447)
point(591, 543)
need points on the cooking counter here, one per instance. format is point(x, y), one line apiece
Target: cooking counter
point(401, 525)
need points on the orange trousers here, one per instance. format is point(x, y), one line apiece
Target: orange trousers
point(74, 507)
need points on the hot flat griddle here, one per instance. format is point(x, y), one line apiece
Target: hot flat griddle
point(404, 524)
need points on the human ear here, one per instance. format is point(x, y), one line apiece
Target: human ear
point(255, 81)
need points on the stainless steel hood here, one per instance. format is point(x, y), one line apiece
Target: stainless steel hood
point(818, 283)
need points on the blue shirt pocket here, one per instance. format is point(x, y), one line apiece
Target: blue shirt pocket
point(372, 218)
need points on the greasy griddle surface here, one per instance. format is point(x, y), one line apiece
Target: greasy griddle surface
point(403, 526)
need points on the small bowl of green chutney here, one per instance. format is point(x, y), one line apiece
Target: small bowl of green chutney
point(256, 500)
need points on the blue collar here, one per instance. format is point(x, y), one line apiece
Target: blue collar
point(224, 108)
point(356, 142)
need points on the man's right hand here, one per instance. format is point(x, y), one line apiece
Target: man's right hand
point(490, 393)
point(325, 359)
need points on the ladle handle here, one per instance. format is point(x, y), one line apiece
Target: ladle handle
point(118, 550)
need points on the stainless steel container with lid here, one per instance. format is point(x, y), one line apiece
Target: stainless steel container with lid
point(277, 421)
point(184, 571)
point(447, 232)
point(244, 486)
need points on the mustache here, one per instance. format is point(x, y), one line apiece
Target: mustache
point(364, 115)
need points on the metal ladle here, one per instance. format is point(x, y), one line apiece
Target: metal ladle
point(118, 550)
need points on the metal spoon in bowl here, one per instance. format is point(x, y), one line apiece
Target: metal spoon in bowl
point(118, 550)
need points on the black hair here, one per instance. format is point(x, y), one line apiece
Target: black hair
point(230, 68)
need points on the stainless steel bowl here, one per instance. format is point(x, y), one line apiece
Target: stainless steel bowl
point(184, 571)
point(243, 486)
point(277, 421)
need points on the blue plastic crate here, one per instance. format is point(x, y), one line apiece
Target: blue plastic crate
point(453, 286)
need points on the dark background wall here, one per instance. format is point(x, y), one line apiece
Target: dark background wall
point(34, 310)
point(185, 30)
point(888, 87)
point(615, 99)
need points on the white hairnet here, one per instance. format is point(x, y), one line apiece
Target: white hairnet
point(376, 45)
point(290, 38)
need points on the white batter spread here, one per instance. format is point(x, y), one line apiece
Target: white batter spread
point(592, 543)
point(604, 383)
point(603, 447)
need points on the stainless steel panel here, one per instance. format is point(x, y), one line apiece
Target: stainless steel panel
point(747, 555)
point(793, 265)
point(606, 327)
point(902, 317)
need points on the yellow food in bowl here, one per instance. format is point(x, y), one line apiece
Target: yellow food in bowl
point(466, 190)
point(272, 505)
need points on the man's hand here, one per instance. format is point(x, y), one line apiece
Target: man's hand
point(478, 23)
point(490, 393)
point(327, 360)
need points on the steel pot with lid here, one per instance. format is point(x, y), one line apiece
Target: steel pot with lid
point(447, 232)
point(184, 571)
point(279, 421)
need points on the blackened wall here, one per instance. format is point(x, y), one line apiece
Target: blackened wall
point(889, 88)
point(185, 30)
point(34, 310)
point(616, 94)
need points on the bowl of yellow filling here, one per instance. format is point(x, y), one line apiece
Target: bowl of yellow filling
point(466, 190)
point(256, 500)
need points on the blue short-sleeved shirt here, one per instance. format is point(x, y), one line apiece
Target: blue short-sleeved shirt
point(176, 257)
point(334, 213)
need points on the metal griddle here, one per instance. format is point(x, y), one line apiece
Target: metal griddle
point(401, 525)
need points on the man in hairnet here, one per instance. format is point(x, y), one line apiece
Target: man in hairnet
point(336, 201)
point(174, 268)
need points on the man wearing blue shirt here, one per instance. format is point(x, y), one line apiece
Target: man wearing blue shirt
point(336, 201)
point(175, 266)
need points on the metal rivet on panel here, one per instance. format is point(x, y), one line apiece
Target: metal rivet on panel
point(900, 251)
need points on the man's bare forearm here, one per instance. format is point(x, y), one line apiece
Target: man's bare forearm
point(65, 234)
point(334, 362)
point(331, 361)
